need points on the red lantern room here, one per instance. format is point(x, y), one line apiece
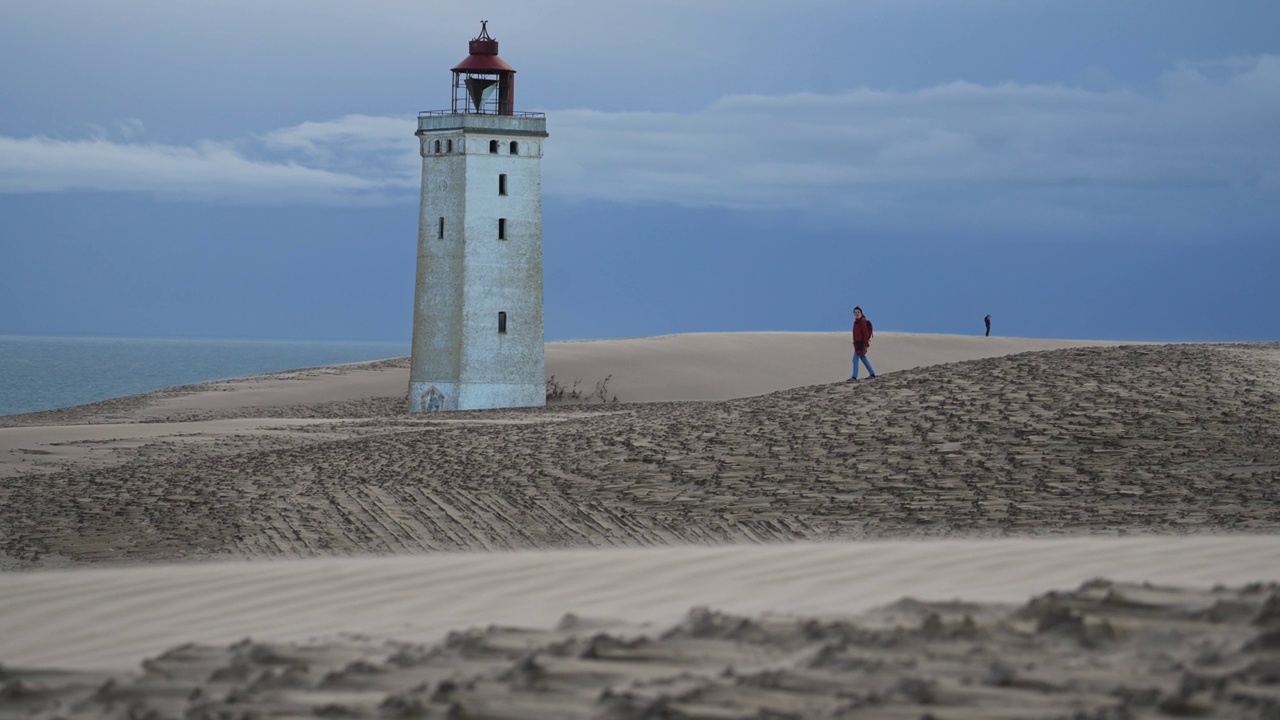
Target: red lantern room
point(483, 82)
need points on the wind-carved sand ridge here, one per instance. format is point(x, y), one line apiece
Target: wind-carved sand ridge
point(1081, 444)
point(1106, 650)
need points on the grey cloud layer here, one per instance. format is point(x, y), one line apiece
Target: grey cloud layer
point(352, 160)
point(808, 150)
point(209, 171)
point(1208, 126)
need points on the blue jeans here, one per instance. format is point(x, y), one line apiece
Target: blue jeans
point(863, 358)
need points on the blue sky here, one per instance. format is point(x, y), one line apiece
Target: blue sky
point(247, 169)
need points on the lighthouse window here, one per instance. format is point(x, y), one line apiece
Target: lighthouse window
point(502, 323)
point(448, 146)
point(515, 148)
point(502, 228)
point(437, 147)
point(493, 146)
point(440, 229)
point(502, 184)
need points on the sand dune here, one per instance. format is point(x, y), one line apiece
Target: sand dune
point(701, 366)
point(723, 366)
point(791, 636)
point(971, 469)
point(111, 618)
point(1067, 441)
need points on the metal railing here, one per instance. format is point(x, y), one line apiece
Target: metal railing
point(433, 113)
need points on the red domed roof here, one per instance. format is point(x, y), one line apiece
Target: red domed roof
point(484, 54)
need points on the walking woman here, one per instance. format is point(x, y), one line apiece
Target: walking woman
point(861, 341)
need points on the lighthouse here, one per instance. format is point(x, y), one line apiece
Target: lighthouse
point(477, 316)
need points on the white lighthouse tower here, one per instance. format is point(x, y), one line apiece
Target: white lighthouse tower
point(477, 316)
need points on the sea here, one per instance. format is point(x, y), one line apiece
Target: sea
point(42, 372)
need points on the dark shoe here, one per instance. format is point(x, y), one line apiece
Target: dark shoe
point(852, 380)
point(873, 374)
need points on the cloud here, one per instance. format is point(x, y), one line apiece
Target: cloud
point(353, 160)
point(811, 150)
point(1204, 138)
point(1193, 157)
point(358, 134)
point(125, 129)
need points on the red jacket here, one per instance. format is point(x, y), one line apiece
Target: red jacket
point(862, 330)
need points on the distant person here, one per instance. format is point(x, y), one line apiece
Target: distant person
point(861, 342)
point(987, 320)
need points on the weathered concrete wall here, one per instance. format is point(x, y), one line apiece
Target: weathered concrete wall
point(470, 275)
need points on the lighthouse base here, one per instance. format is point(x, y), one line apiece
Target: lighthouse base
point(434, 397)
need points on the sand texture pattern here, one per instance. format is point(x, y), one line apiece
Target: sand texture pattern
point(1177, 438)
point(345, 547)
point(1105, 651)
point(110, 618)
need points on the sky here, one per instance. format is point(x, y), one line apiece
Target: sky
point(247, 169)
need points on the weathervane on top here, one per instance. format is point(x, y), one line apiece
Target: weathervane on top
point(483, 82)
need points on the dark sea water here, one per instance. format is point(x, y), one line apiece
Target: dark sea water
point(45, 372)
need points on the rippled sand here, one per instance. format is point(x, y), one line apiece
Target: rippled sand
point(971, 486)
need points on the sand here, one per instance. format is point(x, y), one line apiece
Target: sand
point(704, 366)
point(722, 536)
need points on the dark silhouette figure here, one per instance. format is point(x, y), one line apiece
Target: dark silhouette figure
point(987, 320)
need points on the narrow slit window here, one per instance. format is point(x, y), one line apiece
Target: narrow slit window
point(502, 184)
point(502, 228)
point(440, 229)
point(448, 146)
point(493, 146)
point(437, 147)
point(515, 148)
point(502, 322)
